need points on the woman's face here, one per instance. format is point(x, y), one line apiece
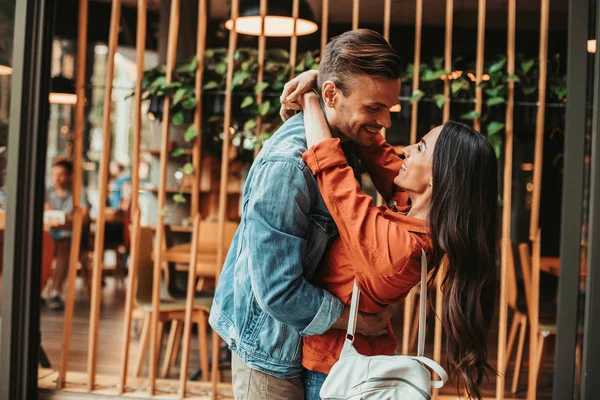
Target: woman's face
point(415, 176)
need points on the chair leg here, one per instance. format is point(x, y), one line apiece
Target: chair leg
point(141, 353)
point(519, 358)
point(159, 337)
point(540, 350)
point(175, 327)
point(511, 340)
point(203, 346)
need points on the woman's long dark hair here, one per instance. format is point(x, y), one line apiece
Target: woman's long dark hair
point(462, 217)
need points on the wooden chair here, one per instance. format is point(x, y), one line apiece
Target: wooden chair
point(174, 309)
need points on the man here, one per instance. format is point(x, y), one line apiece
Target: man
point(264, 302)
point(59, 196)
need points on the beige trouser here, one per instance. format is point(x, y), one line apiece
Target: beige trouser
point(250, 384)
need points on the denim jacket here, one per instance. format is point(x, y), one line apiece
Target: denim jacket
point(264, 302)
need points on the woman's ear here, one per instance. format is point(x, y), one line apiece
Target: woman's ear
point(330, 93)
point(430, 181)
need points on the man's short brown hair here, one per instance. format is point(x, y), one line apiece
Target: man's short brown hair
point(64, 163)
point(355, 53)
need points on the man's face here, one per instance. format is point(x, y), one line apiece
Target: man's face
point(365, 110)
point(60, 177)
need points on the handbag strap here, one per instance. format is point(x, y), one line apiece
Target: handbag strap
point(422, 308)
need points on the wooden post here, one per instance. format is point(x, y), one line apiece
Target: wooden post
point(355, 9)
point(189, 305)
point(479, 63)
point(409, 303)
point(216, 340)
point(197, 150)
point(539, 128)
point(387, 13)
point(416, 70)
point(135, 184)
point(534, 318)
point(191, 289)
point(115, 18)
point(294, 39)
point(324, 26)
point(159, 236)
point(437, 339)
point(507, 201)
point(76, 191)
point(262, 43)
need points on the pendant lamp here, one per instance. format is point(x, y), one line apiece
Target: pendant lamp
point(62, 90)
point(278, 21)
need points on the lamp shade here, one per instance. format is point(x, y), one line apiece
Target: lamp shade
point(62, 90)
point(278, 21)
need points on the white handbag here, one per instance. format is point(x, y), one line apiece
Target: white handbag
point(355, 376)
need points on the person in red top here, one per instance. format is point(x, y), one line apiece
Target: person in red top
point(441, 197)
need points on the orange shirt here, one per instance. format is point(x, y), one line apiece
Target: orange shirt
point(377, 246)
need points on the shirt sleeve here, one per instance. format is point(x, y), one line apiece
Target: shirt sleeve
point(277, 218)
point(383, 164)
point(381, 249)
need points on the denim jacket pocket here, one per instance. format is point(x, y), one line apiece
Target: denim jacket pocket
point(321, 230)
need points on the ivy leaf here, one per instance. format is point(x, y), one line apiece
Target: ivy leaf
point(221, 68)
point(178, 118)
point(497, 66)
point(248, 100)
point(190, 133)
point(496, 142)
point(494, 101)
point(158, 82)
point(560, 92)
point(179, 198)
point(188, 169)
point(179, 94)
point(459, 85)
point(440, 99)
point(165, 212)
point(250, 124)
point(189, 103)
point(437, 62)
point(263, 109)
point(471, 115)
point(239, 79)
point(416, 96)
point(177, 152)
point(527, 65)
point(529, 89)
point(493, 92)
point(189, 67)
point(494, 127)
point(430, 75)
point(514, 78)
point(211, 85)
point(260, 87)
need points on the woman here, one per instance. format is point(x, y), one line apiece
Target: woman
point(441, 198)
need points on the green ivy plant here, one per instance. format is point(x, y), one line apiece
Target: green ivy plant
point(462, 86)
point(245, 87)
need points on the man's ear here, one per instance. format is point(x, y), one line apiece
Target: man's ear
point(330, 93)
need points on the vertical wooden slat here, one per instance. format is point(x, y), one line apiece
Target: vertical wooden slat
point(77, 188)
point(409, 305)
point(505, 256)
point(387, 13)
point(102, 185)
point(197, 149)
point(189, 304)
point(216, 340)
point(294, 39)
point(324, 26)
point(195, 211)
point(135, 183)
point(159, 238)
point(262, 44)
point(448, 57)
point(541, 115)
point(355, 10)
point(534, 302)
point(479, 62)
point(437, 336)
point(416, 69)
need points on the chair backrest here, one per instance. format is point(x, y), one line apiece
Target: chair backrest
point(208, 235)
point(145, 266)
point(511, 279)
